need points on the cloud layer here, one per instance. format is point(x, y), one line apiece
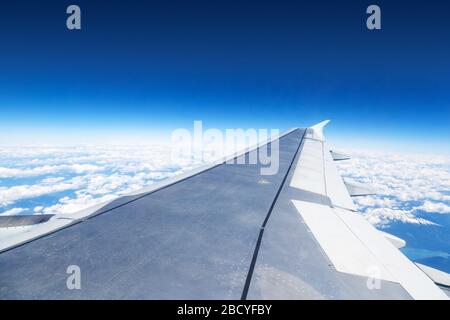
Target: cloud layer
point(53, 180)
point(409, 187)
point(66, 180)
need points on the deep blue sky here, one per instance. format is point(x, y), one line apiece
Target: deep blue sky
point(153, 66)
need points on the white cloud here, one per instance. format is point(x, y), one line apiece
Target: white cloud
point(373, 201)
point(88, 174)
point(43, 170)
point(68, 205)
point(405, 184)
point(52, 180)
point(383, 216)
point(12, 212)
point(15, 193)
point(434, 207)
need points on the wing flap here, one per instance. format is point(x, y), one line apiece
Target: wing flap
point(439, 277)
point(333, 234)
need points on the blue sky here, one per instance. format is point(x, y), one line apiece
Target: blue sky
point(140, 68)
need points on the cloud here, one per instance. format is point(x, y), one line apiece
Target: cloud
point(43, 170)
point(383, 216)
point(406, 185)
point(14, 211)
point(84, 175)
point(434, 207)
point(52, 180)
point(372, 201)
point(12, 194)
point(69, 205)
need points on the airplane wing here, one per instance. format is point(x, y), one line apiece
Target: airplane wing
point(220, 232)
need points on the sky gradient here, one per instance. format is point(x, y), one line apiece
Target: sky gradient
point(145, 68)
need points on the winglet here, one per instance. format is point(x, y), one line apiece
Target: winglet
point(318, 130)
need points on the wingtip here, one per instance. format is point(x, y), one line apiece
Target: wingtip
point(318, 129)
point(321, 124)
